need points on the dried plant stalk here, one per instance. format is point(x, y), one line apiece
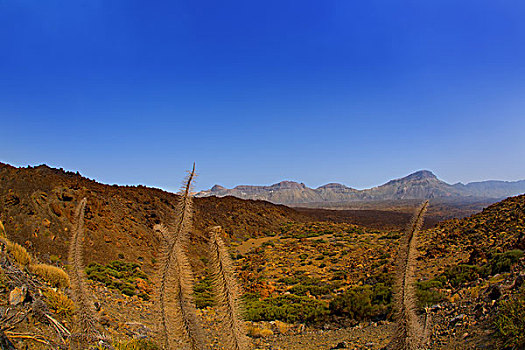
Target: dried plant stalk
point(178, 321)
point(227, 293)
point(86, 320)
point(410, 334)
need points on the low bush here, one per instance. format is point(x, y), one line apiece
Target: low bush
point(301, 289)
point(428, 293)
point(510, 321)
point(459, 274)
point(118, 275)
point(257, 332)
point(503, 262)
point(3, 279)
point(287, 308)
point(363, 302)
point(391, 235)
point(53, 275)
point(203, 293)
point(59, 303)
point(135, 344)
point(305, 285)
point(19, 253)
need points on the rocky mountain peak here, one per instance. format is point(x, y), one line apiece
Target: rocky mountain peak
point(288, 185)
point(333, 186)
point(417, 176)
point(421, 174)
point(217, 188)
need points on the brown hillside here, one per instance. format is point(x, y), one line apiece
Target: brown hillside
point(37, 204)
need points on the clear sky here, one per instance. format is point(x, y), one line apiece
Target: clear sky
point(357, 92)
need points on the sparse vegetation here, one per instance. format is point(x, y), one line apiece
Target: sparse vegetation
point(135, 344)
point(53, 275)
point(311, 286)
point(118, 275)
point(428, 293)
point(59, 302)
point(203, 293)
point(362, 303)
point(19, 253)
point(510, 321)
point(3, 279)
point(502, 262)
point(287, 308)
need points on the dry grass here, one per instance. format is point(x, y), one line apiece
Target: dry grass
point(53, 275)
point(59, 302)
point(134, 344)
point(256, 332)
point(3, 278)
point(19, 253)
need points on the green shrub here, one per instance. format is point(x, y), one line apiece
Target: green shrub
point(305, 285)
point(363, 302)
point(287, 308)
point(463, 273)
point(355, 303)
point(301, 289)
point(428, 293)
point(339, 275)
point(391, 235)
point(382, 294)
point(54, 258)
point(118, 275)
point(289, 280)
point(510, 321)
point(502, 262)
point(203, 293)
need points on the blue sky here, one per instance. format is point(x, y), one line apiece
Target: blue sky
point(358, 92)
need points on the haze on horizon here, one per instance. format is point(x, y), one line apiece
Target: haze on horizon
point(256, 93)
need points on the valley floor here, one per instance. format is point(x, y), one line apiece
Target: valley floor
point(369, 337)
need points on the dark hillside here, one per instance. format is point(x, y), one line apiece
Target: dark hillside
point(37, 204)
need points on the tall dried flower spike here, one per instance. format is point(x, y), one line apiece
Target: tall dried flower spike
point(86, 320)
point(2, 230)
point(178, 321)
point(227, 292)
point(410, 334)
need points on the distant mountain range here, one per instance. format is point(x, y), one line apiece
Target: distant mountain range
point(419, 185)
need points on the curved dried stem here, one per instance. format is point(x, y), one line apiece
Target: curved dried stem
point(410, 334)
point(227, 292)
point(179, 324)
point(86, 319)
